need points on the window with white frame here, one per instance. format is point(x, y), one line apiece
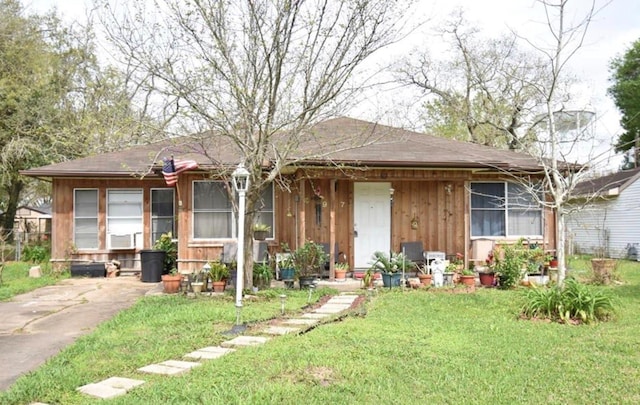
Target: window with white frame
point(85, 218)
point(504, 209)
point(162, 213)
point(213, 215)
point(124, 212)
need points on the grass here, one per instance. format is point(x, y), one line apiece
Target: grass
point(411, 347)
point(16, 280)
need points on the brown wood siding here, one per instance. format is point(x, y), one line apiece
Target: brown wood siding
point(62, 246)
point(437, 199)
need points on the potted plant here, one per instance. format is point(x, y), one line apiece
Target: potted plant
point(169, 246)
point(508, 265)
point(261, 231)
point(285, 265)
point(198, 280)
point(308, 260)
point(219, 274)
point(341, 270)
point(391, 266)
point(368, 278)
point(449, 275)
point(262, 274)
point(468, 277)
point(171, 281)
point(486, 273)
point(424, 275)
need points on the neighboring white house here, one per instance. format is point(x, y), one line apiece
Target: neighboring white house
point(610, 222)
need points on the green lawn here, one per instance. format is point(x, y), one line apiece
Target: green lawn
point(16, 280)
point(411, 347)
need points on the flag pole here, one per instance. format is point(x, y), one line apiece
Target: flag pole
point(179, 197)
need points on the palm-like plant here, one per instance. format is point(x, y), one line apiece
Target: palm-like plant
point(391, 263)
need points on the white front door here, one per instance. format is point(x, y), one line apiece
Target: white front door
point(372, 221)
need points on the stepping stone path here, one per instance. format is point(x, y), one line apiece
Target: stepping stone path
point(111, 387)
point(116, 386)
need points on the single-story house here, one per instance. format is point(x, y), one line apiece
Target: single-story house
point(607, 221)
point(401, 187)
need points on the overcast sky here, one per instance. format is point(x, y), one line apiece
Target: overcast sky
point(614, 29)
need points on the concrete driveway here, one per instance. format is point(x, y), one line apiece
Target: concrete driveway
point(37, 325)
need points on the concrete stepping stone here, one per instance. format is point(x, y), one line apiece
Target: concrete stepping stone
point(307, 322)
point(342, 299)
point(280, 330)
point(245, 341)
point(209, 353)
point(169, 367)
point(331, 308)
point(110, 388)
point(311, 315)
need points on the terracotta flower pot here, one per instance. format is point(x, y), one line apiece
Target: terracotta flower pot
point(218, 286)
point(341, 274)
point(171, 283)
point(468, 280)
point(425, 279)
point(487, 279)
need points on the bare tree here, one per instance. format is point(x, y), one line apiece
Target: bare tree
point(251, 76)
point(565, 142)
point(484, 92)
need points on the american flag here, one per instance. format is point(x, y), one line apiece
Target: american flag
point(172, 168)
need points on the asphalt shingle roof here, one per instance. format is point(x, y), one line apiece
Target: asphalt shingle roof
point(338, 140)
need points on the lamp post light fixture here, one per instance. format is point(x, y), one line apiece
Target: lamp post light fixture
point(283, 299)
point(241, 185)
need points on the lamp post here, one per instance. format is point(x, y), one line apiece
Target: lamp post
point(241, 185)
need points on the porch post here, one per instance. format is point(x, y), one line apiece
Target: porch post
point(302, 223)
point(332, 229)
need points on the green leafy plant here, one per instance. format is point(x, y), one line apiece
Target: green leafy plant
point(308, 259)
point(391, 263)
point(218, 271)
point(170, 247)
point(36, 253)
point(368, 277)
point(260, 227)
point(468, 272)
point(342, 266)
point(262, 274)
point(570, 303)
point(508, 264)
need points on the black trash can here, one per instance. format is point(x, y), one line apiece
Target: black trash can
point(152, 264)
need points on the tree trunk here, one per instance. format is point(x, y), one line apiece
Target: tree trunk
point(13, 190)
point(560, 245)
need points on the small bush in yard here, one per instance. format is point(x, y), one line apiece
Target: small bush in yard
point(574, 302)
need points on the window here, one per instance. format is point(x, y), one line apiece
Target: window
point(212, 210)
point(124, 212)
point(213, 215)
point(162, 213)
point(265, 209)
point(85, 219)
point(504, 209)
